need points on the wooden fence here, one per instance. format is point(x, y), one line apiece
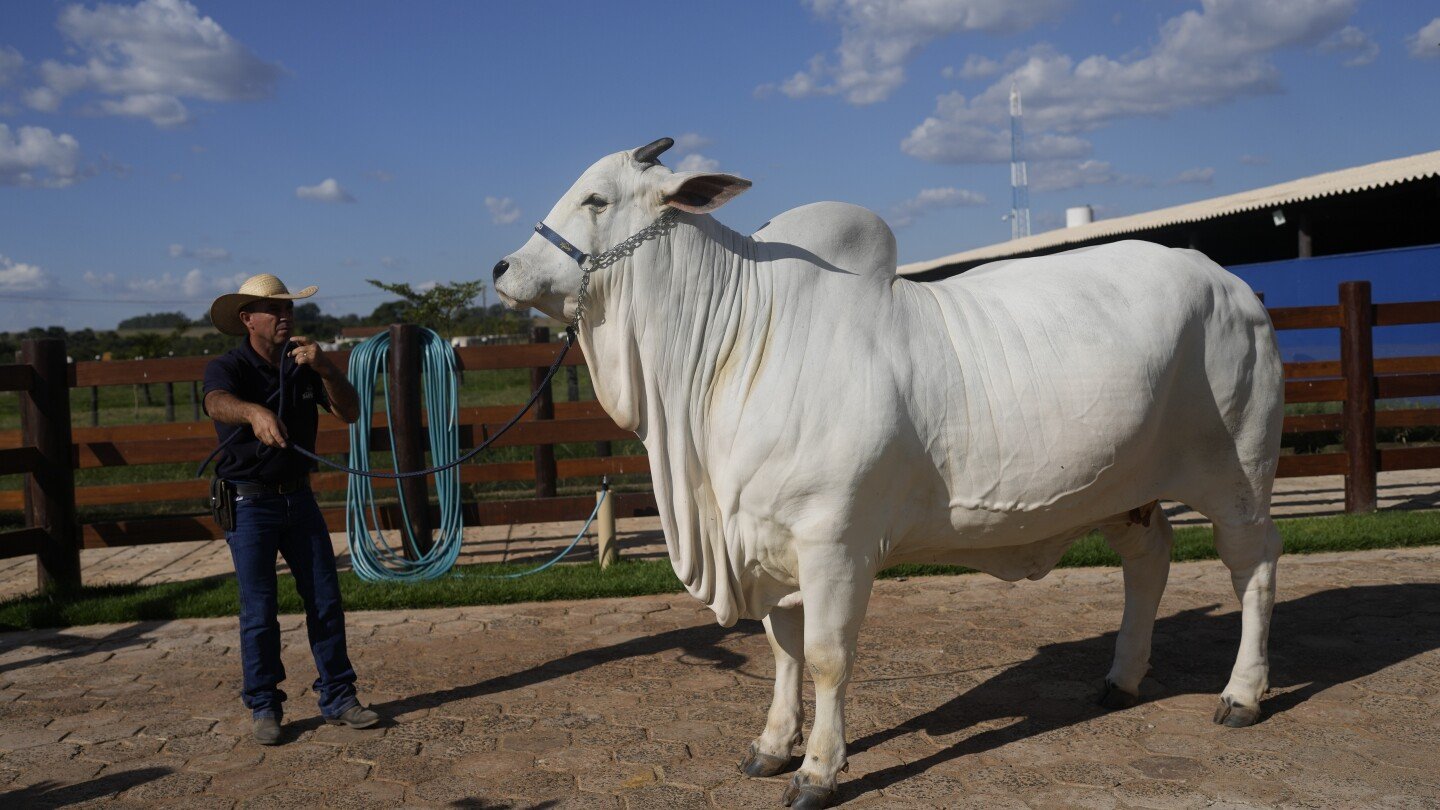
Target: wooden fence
point(48, 450)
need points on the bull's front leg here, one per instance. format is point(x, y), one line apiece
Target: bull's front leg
point(770, 753)
point(836, 591)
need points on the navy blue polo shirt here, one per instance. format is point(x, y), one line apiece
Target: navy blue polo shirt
point(245, 374)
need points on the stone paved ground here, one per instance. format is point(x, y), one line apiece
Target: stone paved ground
point(969, 692)
point(638, 537)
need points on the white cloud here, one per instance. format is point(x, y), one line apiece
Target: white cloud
point(207, 255)
point(19, 277)
point(690, 142)
point(503, 210)
point(1201, 176)
point(1353, 42)
point(878, 38)
point(1254, 160)
point(326, 191)
point(42, 98)
point(1425, 43)
point(380, 175)
point(143, 59)
point(1202, 58)
point(35, 156)
point(696, 162)
point(194, 286)
point(932, 199)
point(162, 110)
point(11, 63)
point(1063, 175)
point(392, 263)
point(975, 67)
point(953, 135)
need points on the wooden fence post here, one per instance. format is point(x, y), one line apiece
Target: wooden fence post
point(95, 406)
point(606, 550)
point(195, 400)
point(545, 474)
point(407, 433)
point(169, 402)
point(1357, 363)
point(50, 490)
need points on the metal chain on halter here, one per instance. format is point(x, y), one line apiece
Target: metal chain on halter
point(600, 261)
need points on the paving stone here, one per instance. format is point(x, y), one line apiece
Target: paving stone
point(30, 737)
point(1012, 727)
point(369, 795)
point(1174, 768)
point(455, 791)
point(618, 777)
point(285, 797)
point(168, 787)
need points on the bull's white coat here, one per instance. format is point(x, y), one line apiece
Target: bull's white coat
point(812, 418)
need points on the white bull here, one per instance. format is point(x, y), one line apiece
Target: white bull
point(812, 418)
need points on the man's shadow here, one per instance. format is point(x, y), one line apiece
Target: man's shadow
point(1316, 642)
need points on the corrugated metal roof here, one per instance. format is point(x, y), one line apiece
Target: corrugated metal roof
point(1359, 178)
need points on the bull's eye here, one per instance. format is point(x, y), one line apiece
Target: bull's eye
point(596, 202)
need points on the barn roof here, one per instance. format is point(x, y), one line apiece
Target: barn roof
point(1344, 181)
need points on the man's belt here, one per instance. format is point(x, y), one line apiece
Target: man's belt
point(243, 488)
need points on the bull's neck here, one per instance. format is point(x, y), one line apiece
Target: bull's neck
point(658, 321)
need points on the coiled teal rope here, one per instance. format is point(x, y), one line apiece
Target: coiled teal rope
point(371, 555)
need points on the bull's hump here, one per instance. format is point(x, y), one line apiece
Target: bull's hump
point(843, 236)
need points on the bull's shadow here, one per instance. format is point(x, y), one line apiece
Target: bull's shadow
point(1316, 642)
point(703, 642)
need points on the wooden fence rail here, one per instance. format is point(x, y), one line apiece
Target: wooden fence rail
point(48, 451)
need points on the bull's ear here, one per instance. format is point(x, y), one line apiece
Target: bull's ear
point(701, 192)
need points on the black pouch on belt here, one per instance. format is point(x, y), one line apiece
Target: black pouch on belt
point(222, 503)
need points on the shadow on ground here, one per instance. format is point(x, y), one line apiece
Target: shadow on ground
point(1316, 642)
point(702, 643)
point(54, 794)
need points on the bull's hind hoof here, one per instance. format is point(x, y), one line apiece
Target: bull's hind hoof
point(1114, 698)
point(803, 795)
point(756, 763)
point(1232, 714)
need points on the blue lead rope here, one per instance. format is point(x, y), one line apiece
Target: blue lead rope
point(372, 556)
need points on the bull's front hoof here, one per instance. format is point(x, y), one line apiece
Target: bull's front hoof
point(1235, 715)
point(801, 794)
point(756, 763)
point(1114, 698)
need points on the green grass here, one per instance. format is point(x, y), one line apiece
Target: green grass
point(472, 585)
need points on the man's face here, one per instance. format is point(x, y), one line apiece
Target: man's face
point(270, 321)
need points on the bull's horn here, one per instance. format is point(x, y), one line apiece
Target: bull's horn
point(650, 152)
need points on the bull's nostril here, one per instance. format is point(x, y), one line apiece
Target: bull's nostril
point(500, 268)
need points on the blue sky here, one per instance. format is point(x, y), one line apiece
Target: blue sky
point(153, 154)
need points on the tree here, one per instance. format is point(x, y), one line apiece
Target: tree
point(437, 308)
point(155, 320)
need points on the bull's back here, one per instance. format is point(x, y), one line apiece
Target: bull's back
point(1061, 389)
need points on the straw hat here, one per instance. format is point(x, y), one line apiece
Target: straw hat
point(225, 312)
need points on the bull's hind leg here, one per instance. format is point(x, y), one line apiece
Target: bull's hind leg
point(1250, 552)
point(1145, 554)
point(770, 753)
point(836, 591)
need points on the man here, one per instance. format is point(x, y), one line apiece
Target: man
point(274, 509)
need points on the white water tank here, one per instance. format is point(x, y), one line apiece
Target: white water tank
point(1079, 215)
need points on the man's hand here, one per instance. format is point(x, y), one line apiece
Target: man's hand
point(267, 426)
point(307, 353)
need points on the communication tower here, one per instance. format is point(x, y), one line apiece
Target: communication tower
point(1019, 181)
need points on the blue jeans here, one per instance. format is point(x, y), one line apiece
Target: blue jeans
point(293, 526)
